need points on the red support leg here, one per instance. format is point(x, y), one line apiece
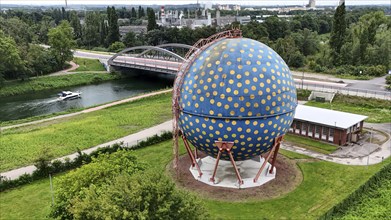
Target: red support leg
point(278, 140)
point(273, 151)
point(193, 160)
point(226, 146)
point(216, 165)
point(236, 169)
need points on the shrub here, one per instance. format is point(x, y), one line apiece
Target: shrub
point(388, 80)
point(117, 46)
point(102, 170)
point(142, 195)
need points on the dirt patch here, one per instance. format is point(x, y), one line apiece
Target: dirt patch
point(287, 179)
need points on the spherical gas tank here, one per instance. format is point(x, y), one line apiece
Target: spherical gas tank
point(239, 90)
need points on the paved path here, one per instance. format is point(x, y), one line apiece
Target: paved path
point(88, 110)
point(374, 158)
point(129, 141)
point(66, 71)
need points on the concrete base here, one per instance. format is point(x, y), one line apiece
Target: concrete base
point(226, 177)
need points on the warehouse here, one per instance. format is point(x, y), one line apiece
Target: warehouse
point(336, 127)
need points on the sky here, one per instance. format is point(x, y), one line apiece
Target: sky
point(165, 2)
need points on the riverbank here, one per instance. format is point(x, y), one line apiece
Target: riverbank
point(54, 82)
point(21, 146)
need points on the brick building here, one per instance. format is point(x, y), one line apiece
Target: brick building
point(336, 127)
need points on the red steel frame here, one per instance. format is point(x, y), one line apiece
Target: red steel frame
point(192, 157)
point(274, 152)
point(226, 146)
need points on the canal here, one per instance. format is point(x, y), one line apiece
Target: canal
point(45, 102)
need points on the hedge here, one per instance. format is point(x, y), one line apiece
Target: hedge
point(355, 197)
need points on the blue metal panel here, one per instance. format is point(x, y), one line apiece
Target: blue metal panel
point(237, 90)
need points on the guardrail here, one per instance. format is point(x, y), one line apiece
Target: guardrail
point(346, 91)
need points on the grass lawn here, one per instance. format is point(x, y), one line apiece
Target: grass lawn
point(378, 111)
point(324, 185)
point(310, 144)
point(53, 82)
point(88, 65)
point(21, 146)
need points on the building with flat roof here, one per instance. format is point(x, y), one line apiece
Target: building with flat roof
point(336, 127)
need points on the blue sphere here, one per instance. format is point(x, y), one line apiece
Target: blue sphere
point(239, 90)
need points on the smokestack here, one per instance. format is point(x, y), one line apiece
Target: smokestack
point(163, 16)
point(66, 3)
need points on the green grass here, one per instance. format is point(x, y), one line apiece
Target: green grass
point(378, 111)
point(310, 144)
point(324, 185)
point(21, 146)
point(53, 82)
point(88, 65)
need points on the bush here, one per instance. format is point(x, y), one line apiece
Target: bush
point(388, 80)
point(142, 195)
point(98, 173)
point(353, 199)
point(117, 46)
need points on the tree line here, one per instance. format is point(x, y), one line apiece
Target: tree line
point(348, 42)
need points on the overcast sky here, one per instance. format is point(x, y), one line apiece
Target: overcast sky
point(163, 2)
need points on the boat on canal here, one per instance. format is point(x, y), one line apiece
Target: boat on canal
point(68, 95)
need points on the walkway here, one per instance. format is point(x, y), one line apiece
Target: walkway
point(88, 110)
point(66, 71)
point(130, 140)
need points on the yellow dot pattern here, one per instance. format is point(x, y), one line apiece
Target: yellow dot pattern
point(244, 94)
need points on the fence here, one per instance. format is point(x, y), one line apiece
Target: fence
point(346, 91)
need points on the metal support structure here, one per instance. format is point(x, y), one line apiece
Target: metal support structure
point(226, 146)
point(192, 158)
point(274, 150)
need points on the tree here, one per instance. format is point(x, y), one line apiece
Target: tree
point(117, 46)
point(99, 172)
point(151, 19)
point(338, 31)
point(306, 41)
point(113, 29)
point(75, 23)
point(40, 61)
point(130, 39)
point(141, 12)
point(92, 30)
point(133, 13)
point(276, 27)
point(146, 195)
point(11, 65)
point(61, 42)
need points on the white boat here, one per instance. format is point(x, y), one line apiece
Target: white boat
point(67, 95)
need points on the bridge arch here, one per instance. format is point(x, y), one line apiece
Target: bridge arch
point(158, 48)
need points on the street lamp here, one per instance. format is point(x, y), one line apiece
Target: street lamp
point(370, 143)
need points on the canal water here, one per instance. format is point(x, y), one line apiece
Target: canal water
point(45, 102)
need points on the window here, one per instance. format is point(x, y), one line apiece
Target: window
point(304, 130)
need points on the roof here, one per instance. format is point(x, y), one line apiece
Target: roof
point(327, 117)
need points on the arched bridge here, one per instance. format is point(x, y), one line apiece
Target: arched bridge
point(165, 58)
